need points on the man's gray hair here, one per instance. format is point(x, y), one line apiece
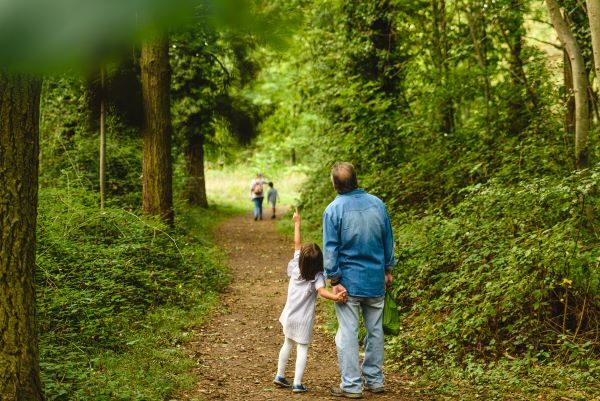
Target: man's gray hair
point(343, 177)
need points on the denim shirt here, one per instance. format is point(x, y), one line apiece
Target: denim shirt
point(358, 243)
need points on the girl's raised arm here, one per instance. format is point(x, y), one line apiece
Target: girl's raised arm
point(297, 235)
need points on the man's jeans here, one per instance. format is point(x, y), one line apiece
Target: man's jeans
point(346, 341)
point(258, 207)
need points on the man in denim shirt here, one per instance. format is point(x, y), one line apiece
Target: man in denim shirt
point(359, 256)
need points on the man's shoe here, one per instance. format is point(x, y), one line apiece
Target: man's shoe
point(299, 388)
point(281, 382)
point(375, 389)
point(338, 392)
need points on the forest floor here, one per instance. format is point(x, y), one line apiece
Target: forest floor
point(236, 350)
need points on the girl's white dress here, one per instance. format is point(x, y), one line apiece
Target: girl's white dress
point(298, 315)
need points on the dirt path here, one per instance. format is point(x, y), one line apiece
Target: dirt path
point(237, 349)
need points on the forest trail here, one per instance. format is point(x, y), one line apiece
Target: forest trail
point(237, 349)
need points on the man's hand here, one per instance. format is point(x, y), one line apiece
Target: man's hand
point(341, 297)
point(296, 217)
point(389, 279)
point(339, 289)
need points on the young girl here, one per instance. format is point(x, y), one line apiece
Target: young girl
point(306, 281)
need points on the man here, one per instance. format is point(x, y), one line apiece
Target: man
point(359, 256)
point(257, 194)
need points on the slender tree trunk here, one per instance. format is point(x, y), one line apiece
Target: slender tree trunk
point(196, 182)
point(569, 98)
point(157, 131)
point(580, 83)
point(441, 50)
point(523, 100)
point(593, 9)
point(102, 167)
point(476, 22)
point(19, 152)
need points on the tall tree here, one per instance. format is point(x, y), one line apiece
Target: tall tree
point(593, 9)
point(477, 28)
point(102, 153)
point(580, 82)
point(441, 59)
point(157, 189)
point(19, 155)
point(196, 182)
point(523, 99)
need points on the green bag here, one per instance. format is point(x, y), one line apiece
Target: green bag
point(391, 320)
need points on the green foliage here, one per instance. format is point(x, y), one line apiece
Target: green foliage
point(99, 275)
point(69, 146)
point(454, 118)
point(117, 293)
point(510, 271)
point(210, 70)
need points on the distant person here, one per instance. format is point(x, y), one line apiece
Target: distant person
point(257, 194)
point(359, 257)
point(307, 280)
point(272, 197)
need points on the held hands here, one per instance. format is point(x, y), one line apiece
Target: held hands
point(340, 293)
point(341, 297)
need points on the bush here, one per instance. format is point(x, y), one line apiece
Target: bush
point(100, 273)
point(510, 271)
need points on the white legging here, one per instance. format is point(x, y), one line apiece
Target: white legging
point(301, 356)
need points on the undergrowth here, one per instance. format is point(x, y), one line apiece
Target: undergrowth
point(117, 294)
point(498, 294)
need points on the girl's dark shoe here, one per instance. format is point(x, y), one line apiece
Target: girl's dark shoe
point(299, 388)
point(281, 382)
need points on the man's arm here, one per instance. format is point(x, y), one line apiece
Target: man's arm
point(388, 249)
point(331, 245)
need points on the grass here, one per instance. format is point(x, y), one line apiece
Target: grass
point(155, 366)
point(152, 363)
point(230, 187)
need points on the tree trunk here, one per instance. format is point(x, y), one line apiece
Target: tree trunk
point(593, 9)
point(102, 156)
point(440, 38)
point(569, 98)
point(196, 182)
point(580, 83)
point(19, 152)
point(523, 100)
point(476, 23)
point(157, 167)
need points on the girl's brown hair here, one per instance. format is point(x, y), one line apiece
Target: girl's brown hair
point(311, 261)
